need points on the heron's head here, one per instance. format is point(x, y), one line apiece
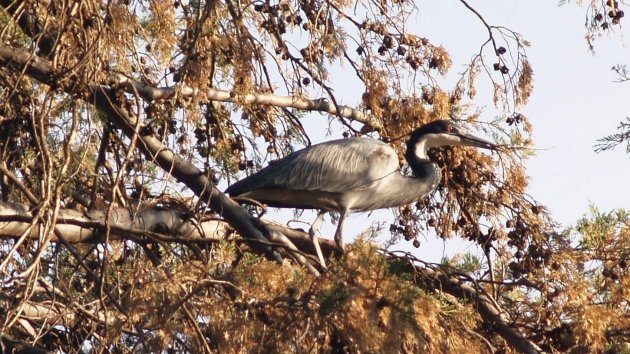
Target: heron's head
point(441, 133)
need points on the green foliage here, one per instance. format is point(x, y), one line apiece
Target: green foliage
point(599, 228)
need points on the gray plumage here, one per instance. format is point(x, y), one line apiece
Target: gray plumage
point(348, 172)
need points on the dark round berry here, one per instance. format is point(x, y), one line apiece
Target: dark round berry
point(513, 266)
point(496, 66)
point(360, 50)
point(382, 50)
point(501, 50)
point(306, 81)
point(401, 50)
point(416, 243)
point(258, 7)
point(505, 70)
point(88, 22)
point(388, 41)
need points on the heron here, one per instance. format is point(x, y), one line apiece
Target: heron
point(353, 174)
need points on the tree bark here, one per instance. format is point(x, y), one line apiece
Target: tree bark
point(318, 105)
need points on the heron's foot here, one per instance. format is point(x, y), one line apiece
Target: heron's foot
point(312, 232)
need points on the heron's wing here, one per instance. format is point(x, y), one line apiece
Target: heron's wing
point(334, 166)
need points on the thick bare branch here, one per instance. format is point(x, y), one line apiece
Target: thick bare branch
point(319, 105)
point(163, 224)
point(77, 227)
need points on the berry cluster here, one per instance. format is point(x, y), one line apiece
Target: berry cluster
point(498, 66)
point(614, 14)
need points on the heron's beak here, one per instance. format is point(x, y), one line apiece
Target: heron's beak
point(471, 140)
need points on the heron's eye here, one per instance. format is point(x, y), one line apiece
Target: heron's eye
point(450, 129)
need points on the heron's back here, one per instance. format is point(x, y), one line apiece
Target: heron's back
point(333, 166)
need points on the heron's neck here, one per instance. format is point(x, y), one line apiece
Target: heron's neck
point(419, 161)
point(403, 190)
point(423, 168)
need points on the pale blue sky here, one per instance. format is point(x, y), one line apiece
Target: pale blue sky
point(574, 103)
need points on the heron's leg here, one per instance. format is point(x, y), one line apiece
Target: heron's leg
point(339, 233)
point(312, 232)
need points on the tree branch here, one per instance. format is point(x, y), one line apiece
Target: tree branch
point(31, 26)
point(145, 222)
point(319, 105)
point(433, 279)
point(10, 345)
